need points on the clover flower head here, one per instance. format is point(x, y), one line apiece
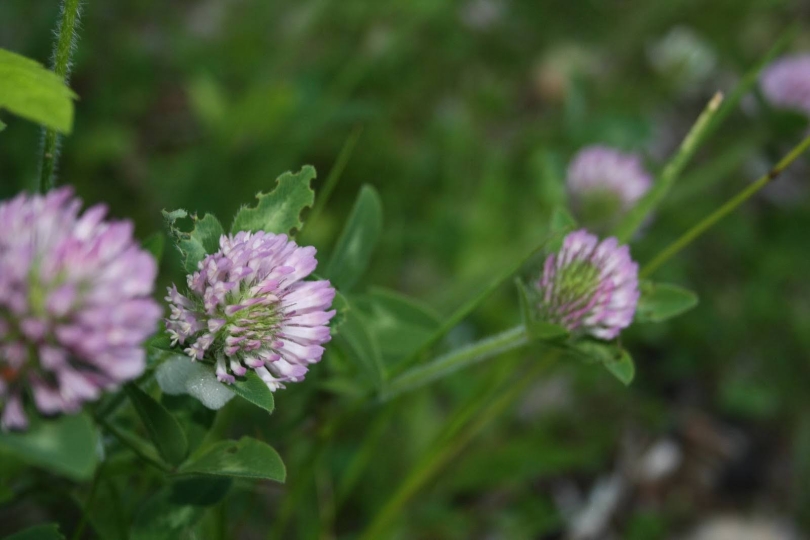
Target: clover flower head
point(605, 177)
point(786, 83)
point(248, 308)
point(589, 287)
point(75, 304)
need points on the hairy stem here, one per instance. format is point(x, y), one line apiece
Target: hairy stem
point(731, 205)
point(66, 37)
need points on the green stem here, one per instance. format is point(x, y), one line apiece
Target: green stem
point(433, 463)
point(454, 360)
point(635, 217)
point(62, 52)
point(693, 233)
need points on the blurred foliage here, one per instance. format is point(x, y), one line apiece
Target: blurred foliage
point(470, 111)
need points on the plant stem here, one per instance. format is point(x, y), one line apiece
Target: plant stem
point(433, 463)
point(62, 52)
point(463, 356)
point(731, 205)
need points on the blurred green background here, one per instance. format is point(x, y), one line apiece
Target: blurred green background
point(469, 113)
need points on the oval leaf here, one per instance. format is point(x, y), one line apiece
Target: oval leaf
point(163, 428)
point(65, 445)
point(29, 90)
point(246, 458)
point(280, 210)
point(253, 389)
point(622, 368)
point(357, 241)
point(662, 301)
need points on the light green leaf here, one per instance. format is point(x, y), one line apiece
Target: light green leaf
point(246, 458)
point(622, 368)
point(357, 241)
point(163, 428)
point(29, 90)
point(536, 329)
point(39, 532)
point(202, 240)
point(253, 389)
point(154, 245)
point(361, 348)
point(65, 445)
point(280, 210)
point(662, 301)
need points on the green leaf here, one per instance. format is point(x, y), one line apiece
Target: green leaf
point(246, 458)
point(662, 301)
point(29, 90)
point(65, 445)
point(163, 428)
point(561, 220)
point(155, 244)
point(280, 210)
point(361, 348)
point(199, 490)
point(202, 240)
point(622, 368)
point(398, 324)
point(341, 307)
point(536, 329)
point(252, 388)
point(39, 532)
point(357, 241)
point(160, 519)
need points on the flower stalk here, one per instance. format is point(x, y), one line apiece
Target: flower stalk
point(67, 35)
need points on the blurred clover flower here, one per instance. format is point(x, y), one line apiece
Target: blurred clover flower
point(248, 309)
point(589, 287)
point(786, 83)
point(684, 57)
point(74, 304)
point(604, 183)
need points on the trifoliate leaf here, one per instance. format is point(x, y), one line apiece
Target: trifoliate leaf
point(280, 210)
point(29, 90)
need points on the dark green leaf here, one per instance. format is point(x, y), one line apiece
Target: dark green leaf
point(29, 90)
point(195, 417)
point(662, 301)
point(160, 519)
point(622, 368)
point(361, 348)
point(357, 241)
point(253, 389)
point(246, 458)
point(65, 445)
point(39, 532)
point(202, 240)
point(280, 210)
point(163, 429)
point(155, 244)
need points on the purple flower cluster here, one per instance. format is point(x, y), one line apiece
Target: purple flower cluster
point(75, 304)
point(589, 287)
point(786, 83)
point(248, 308)
point(614, 178)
